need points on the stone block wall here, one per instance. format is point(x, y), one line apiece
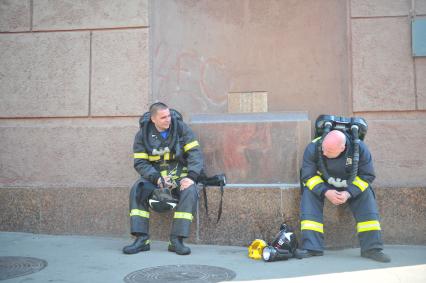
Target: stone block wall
point(74, 78)
point(388, 88)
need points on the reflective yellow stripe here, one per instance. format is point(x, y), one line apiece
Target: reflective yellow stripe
point(360, 183)
point(312, 182)
point(163, 173)
point(167, 156)
point(154, 157)
point(312, 225)
point(316, 139)
point(138, 212)
point(368, 226)
point(184, 215)
point(190, 145)
point(142, 155)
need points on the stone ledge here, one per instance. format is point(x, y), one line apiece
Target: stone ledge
point(248, 213)
point(235, 143)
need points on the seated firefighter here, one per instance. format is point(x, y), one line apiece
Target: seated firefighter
point(338, 166)
point(169, 159)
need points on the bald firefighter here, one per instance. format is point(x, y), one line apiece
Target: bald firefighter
point(336, 154)
point(168, 158)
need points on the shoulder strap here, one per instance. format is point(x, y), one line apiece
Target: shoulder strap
point(219, 214)
point(205, 201)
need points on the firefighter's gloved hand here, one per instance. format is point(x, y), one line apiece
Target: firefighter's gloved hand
point(338, 183)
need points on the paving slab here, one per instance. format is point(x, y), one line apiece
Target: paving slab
point(99, 259)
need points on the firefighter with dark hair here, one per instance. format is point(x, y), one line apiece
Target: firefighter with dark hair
point(325, 174)
point(169, 160)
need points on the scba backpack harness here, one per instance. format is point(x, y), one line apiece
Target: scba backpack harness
point(354, 128)
point(162, 199)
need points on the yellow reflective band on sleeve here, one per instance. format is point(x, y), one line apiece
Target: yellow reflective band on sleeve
point(183, 215)
point(163, 173)
point(312, 225)
point(138, 212)
point(360, 183)
point(368, 226)
point(315, 140)
point(190, 145)
point(312, 182)
point(141, 155)
point(144, 155)
point(154, 157)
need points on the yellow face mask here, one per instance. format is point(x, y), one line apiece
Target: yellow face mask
point(256, 248)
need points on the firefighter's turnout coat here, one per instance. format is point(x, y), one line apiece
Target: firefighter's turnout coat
point(362, 201)
point(189, 164)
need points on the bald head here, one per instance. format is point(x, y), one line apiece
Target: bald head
point(333, 144)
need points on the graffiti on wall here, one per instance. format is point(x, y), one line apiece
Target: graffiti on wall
point(189, 81)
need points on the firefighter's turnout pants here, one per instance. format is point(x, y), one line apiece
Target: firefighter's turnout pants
point(364, 209)
point(140, 213)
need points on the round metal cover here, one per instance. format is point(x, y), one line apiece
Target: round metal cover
point(188, 273)
point(15, 266)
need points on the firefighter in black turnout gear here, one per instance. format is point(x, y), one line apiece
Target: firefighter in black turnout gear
point(169, 159)
point(339, 167)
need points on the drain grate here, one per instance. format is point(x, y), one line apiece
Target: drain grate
point(187, 273)
point(15, 266)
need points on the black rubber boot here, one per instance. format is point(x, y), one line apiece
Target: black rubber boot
point(300, 253)
point(376, 254)
point(176, 245)
point(141, 244)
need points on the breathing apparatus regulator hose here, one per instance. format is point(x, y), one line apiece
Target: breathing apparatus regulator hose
point(321, 166)
point(355, 158)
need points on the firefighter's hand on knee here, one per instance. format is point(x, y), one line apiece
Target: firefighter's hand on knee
point(336, 197)
point(185, 183)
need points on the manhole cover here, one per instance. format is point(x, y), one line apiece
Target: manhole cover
point(181, 273)
point(14, 266)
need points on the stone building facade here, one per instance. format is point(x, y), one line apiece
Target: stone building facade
point(76, 75)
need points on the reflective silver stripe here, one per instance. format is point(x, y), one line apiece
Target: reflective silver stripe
point(312, 182)
point(312, 225)
point(368, 226)
point(138, 212)
point(360, 183)
point(184, 215)
point(190, 145)
point(142, 155)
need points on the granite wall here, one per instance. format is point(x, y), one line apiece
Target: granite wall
point(249, 212)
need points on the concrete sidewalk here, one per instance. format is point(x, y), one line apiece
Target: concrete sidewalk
point(99, 259)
